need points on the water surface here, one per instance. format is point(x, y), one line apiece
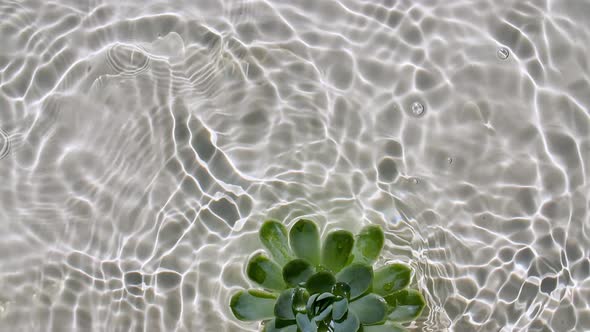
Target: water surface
point(142, 144)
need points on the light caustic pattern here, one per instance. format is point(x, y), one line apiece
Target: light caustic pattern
point(144, 142)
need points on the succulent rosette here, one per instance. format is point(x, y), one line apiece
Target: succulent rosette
point(332, 287)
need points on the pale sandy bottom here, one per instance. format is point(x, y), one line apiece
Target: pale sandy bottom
point(142, 144)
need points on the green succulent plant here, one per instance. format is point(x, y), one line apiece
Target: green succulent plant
point(334, 287)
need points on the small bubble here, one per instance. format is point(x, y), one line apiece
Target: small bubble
point(415, 181)
point(417, 108)
point(503, 53)
point(450, 160)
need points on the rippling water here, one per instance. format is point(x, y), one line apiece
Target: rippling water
point(142, 143)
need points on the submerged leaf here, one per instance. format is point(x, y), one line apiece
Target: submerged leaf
point(310, 303)
point(321, 303)
point(305, 324)
point(358, 276)
point(350, 324)
point(336, 249)
point(339, 309)
point(304, 238)
point(368, 244)
point(370, 309)
point(277, 325)
point(300, 300)
point(323, 314)
point(265, 272)
point(387, 327)
point(273, 236)
point(322, 327)
point(297, 271)
point(405, 305)
point(341, 289)
point(284, 307)
point(252, 305)
point(391, 278)
point(325, 296)
point(320, 282)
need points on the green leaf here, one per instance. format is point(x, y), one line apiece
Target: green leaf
point(405, 305)
point(387, 327)
point(273, 236)
point(325, 296)
point(340, 308)
point(358, 276)
point(350, 324)
point(370, 309)
point(276, 325)
point(323, 314)
point(305, 324)
point(300, 300)
point(297, 271)
point(322, 327)
point(368, 244)
point(321, 303)
point(341, 289)
point(336, 249)
point(252, 305)
point(265, 272)
point(310, 303)
point(284, 307)
point(320, 282)
point(391, 278)
point(304, 238)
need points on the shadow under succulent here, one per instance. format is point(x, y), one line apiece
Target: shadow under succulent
point(332, 288)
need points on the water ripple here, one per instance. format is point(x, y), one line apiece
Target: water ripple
point(143, 143)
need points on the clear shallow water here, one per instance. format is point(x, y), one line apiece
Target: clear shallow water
point(143, 143)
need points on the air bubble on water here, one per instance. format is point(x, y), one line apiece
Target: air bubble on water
point(503, 53)
point(417, 108)
point(450, 160)
point(415, 181)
